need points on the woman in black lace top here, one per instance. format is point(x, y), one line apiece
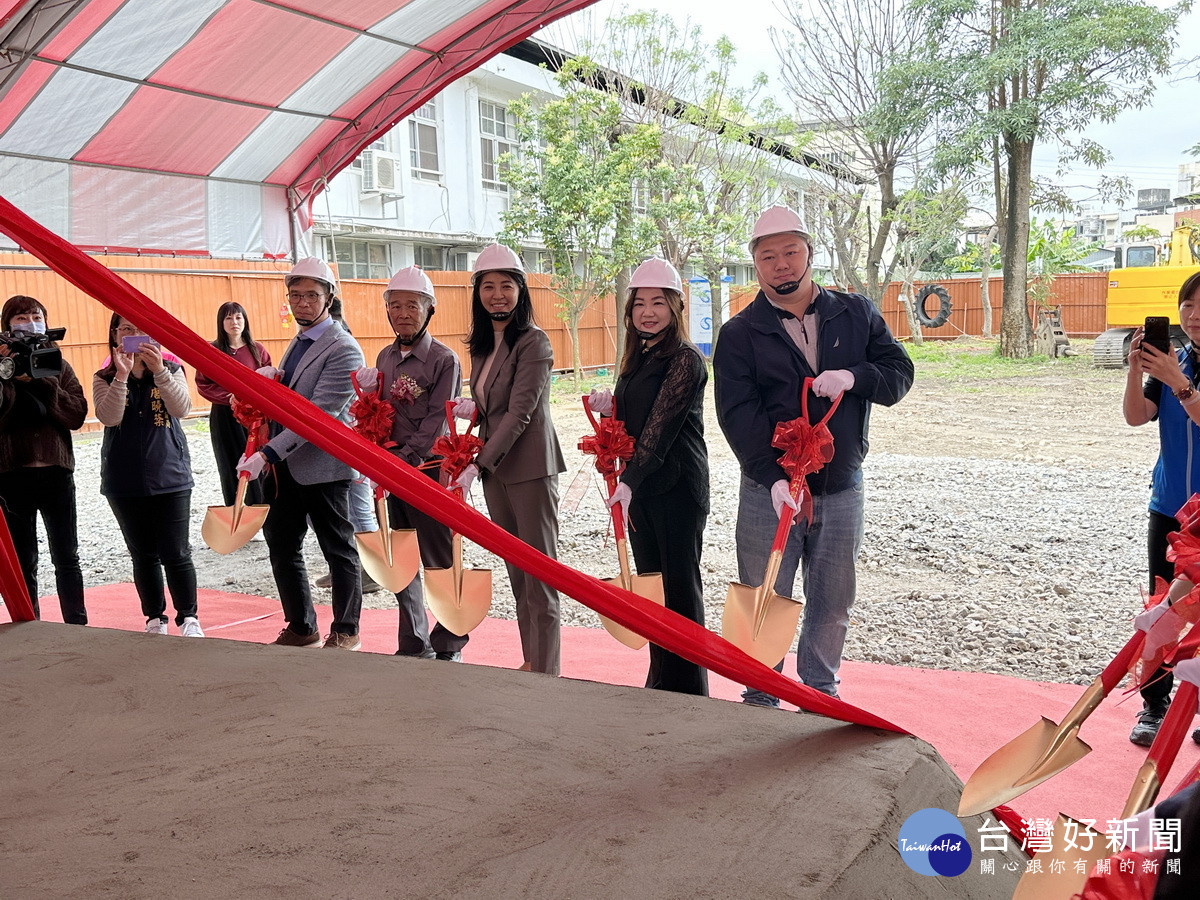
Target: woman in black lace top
point(664, 487)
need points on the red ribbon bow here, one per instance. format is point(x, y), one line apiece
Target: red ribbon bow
point(456, 450)
point(611, 444)
point(806, 447)
point(373, 416)
point(254, 420)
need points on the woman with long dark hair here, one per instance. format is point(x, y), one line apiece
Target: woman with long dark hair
point(37, 463)
point(146, 472)
point(227, 435)
point(521, 459)
point(663, 489)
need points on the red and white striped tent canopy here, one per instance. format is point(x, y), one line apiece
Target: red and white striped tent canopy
point(208, 126)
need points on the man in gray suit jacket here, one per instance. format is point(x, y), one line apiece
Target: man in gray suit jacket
point(309, 484)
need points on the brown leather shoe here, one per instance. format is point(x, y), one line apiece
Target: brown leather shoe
point(289, 638)
point(338, 641)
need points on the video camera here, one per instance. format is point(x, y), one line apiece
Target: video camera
point(30, 353)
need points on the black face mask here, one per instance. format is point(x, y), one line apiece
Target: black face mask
point(790, 287)
point(306, 323)
point(648, 335)
point(502, 316)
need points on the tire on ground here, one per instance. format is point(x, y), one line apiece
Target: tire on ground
point(943, 313)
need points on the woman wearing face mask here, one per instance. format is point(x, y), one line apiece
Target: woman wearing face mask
point(521, 459)
point(228, 436)
point(663, 489)
point(146, 473)
point(37, 463)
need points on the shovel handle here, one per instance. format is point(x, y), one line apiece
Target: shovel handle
point(786, 516)
point(1187, 647)
point(1174, 728)
point(1116, 670)
point(618, 520)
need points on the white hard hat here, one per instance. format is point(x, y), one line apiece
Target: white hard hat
point(496, 257)
point(411, 279)
point(777, 220)
point(316, 269)
point(656, 273)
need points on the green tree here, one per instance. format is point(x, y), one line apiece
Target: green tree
point(925, 222)
point(716, 167)
point(1141, 232)
point(1011, 73)
point(570, 188)
point(1053, 250)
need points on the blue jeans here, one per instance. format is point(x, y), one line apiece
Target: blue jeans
point(828, 549)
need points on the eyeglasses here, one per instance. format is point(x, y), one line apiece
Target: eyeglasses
point(306, 297)
point(126, 328)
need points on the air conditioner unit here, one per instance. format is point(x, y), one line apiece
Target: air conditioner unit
point(380, 173)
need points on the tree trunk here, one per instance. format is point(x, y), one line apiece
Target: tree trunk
point(1016, 331)
point(573, 324)
point(910, 310)
point(985, 277)
point(621, 293)
point(887, 206)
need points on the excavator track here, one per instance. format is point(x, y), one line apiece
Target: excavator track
point(1112, 348)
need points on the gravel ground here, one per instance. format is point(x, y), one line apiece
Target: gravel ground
point(1005, 525)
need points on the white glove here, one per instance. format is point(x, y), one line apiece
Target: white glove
point(268, 372)
point(1163, 632)
point(620, 498)
point(1145, 619)
point(601, 401)
point(464, 481)
point(367, 378)
point(1188, 670)
point(252, 465)
point(833, 383)
point(464, 409)
point(781, 496)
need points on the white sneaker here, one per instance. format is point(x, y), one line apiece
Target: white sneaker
point(156, 626)
point(191, 627)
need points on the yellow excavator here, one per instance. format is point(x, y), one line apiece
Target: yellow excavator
point(1144, 283)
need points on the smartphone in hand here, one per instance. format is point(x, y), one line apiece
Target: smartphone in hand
point(1157, 333)
point(131, 343)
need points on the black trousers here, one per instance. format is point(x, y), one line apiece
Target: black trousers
point(327, 506)
point(666, 535)
point(1158, 692)
point(436, 543)
point(156, 532)
point(229, 443)
point(49, 490)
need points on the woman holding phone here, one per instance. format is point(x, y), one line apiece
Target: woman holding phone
point(228, 436)
point(146, 472)
point(1169, 395)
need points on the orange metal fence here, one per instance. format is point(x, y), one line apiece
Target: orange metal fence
point(194, 289)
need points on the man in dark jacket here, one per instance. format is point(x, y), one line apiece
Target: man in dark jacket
point(795, 330)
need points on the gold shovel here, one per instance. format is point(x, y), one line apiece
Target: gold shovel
point(390, 556)
point(1058, 877)
point(1045, 749)
point(229, 528)
point(648, 586)
point(459, 598)
point(756, 619)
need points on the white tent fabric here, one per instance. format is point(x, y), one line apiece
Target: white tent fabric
point(208, 126)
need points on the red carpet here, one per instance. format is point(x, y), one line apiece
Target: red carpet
point(965, 716)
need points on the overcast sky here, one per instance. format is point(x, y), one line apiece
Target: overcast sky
point(1147, 145)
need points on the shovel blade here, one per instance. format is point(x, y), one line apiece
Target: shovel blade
point(403, 550)
point(459, 603)
point(1050, 884)
point(1009, 772)
point(649, 586)
point(778, 630)
point(228, 528)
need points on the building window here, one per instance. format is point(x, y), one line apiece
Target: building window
point(423, 143)
point(497, 136)
point(360, 259)
point(380, 144)
point(430, 258)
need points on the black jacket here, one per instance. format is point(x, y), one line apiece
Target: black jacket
point(759, 373)
point(147, 454)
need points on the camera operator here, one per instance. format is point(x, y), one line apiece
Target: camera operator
point(37, 463)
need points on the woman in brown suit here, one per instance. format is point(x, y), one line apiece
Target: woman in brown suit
point(521, 459)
